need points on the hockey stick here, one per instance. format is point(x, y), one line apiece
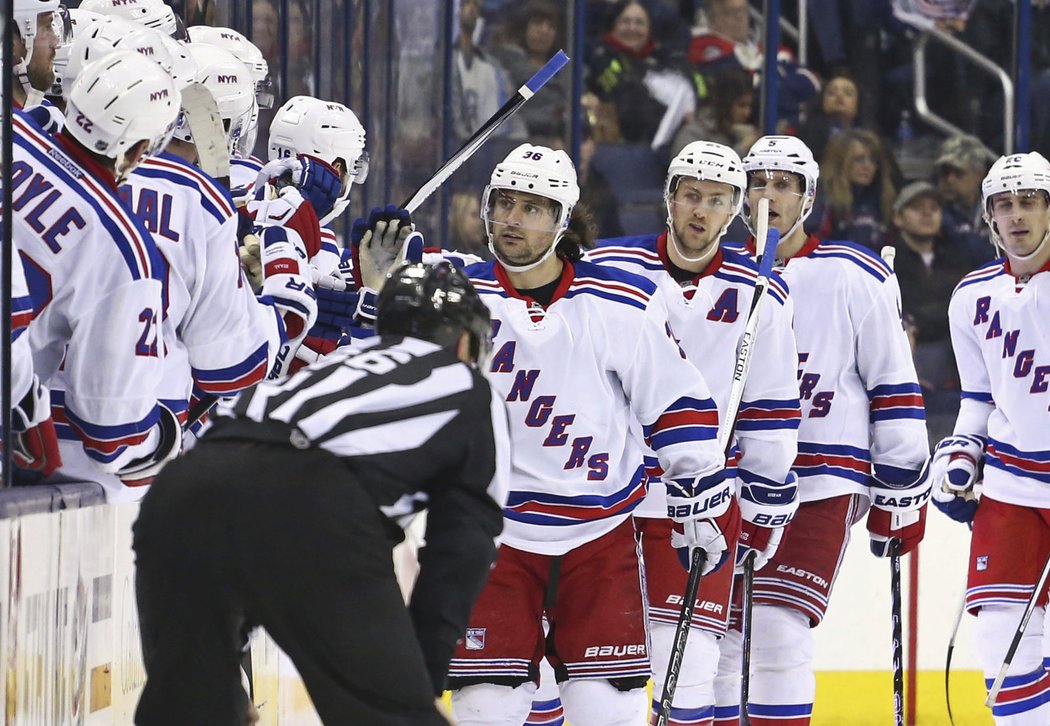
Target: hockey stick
point(889, 254)
point(528, 89)
point(469, 148)
point(897, 635)
point(736, 393)
point(997, 684)
point(202, 115)
point(748, 610)
point(948, 658)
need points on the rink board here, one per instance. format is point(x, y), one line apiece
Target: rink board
point(71, 655)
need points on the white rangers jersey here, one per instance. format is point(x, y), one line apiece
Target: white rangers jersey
point(862, 409)
point(708, 314)
point(1002, 347)
point(96, 278)
point(573, 375)
point(22, 375)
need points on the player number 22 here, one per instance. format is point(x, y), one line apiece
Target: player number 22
point(147, 344)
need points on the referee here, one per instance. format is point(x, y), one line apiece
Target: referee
point(285, 514)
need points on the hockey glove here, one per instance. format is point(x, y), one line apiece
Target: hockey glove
point(898, 508)
point(317, 180)
point(286, 281)
point(386, 238)
point(288, 209)
point(706, 516)
point(335, 311)
point(766, 511)
point(35, 442)
point(954, 471)
point(141, 472)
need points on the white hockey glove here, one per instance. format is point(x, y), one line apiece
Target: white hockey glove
point(707, 516)
point(955, 471)
point(286, 285)
point(898, 508)
point(765, 511)
point(144, 470)
point(385, 239)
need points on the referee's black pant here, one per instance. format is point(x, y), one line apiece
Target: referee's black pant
point(237, 534)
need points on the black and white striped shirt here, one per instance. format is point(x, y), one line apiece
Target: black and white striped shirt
point(418, 429)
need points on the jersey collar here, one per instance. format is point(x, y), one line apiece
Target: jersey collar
point(1006, 266)
point(86, 161)
point(568, 272)
point(713, 265)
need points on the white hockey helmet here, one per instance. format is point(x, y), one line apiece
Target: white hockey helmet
point(119, 101)
point(151, 13)
point(707, 161)
point(325, 129)
point(1014, 173)
point(106, 36)
point(80, 22)
point(230, 83)
point(536, 170)
point(26, 13)
point(243, 50)
point(183, 67)
point(784, 153)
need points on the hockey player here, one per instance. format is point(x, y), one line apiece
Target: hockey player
point(708, 292)
point(94, 272)
point(576, 346)
point(232, 536)
point(42, 26)
point(999, 333)
point(862, 440)
point(247, 53)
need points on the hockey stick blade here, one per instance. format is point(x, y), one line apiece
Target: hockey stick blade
point(948, 659)
point(475, 142)
point(202, 115)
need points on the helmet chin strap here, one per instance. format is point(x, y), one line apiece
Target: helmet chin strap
point(802, 215)
point(33, 96)
point(1034, 253)
point(532, 265)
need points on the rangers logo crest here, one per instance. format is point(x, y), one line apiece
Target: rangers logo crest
point(475, 639)
point(982, 563)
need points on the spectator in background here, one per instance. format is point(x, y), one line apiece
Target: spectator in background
point(726, 115)
point(836, 111)
point(595, 191)
point(961, 165)
point(724, 39)
point(535, 35)
point(929, 264)
point(650, 98)
point(857, 187)
point(479, 86)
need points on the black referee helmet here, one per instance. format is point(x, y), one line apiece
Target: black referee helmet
point(436, 303)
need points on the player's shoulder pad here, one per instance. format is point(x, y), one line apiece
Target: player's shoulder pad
point(738, 266)
point(637, 249)
point(860, 258)
point(984, 273)
point(483, 277)
point(214, 197)
point(611, 283)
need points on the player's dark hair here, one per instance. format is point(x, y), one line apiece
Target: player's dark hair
point(580, 235)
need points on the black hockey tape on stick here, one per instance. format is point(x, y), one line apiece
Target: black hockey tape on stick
point(209, 137)
point(896, 618)
point(997, 684)
point(475, 142)
point(746, 618)
point(770, 239)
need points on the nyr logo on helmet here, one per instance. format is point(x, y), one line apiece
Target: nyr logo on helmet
point(158, 95)
point(227, 36)
point(226, 78)
point(146, 51)
point(124, 3)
